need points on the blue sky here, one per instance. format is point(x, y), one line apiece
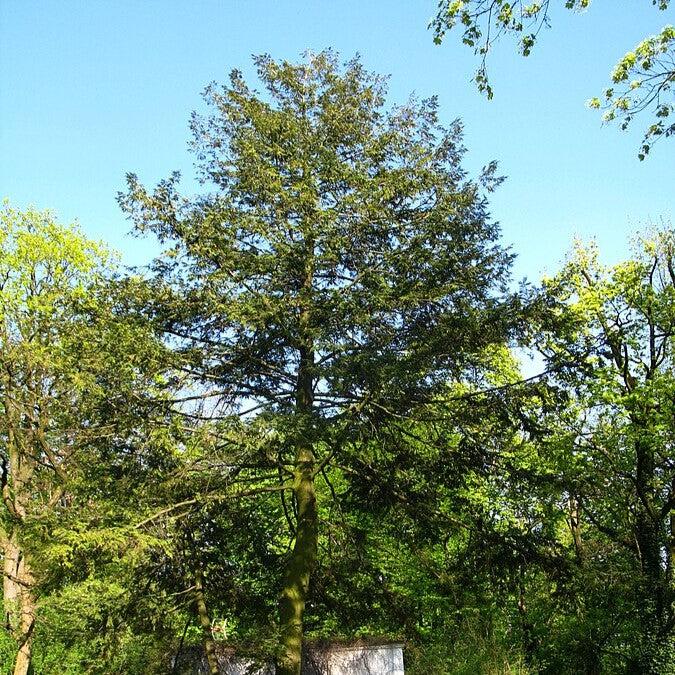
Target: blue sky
point(91, 89)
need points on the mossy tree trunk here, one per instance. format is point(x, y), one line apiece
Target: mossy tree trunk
point(575, 527)
point(22, 664)
point(303, 556)
point(205, 623)
point(299, 567)
point(18, 601)
point(654, 592)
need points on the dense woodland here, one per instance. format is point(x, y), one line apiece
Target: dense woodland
point(327, 412)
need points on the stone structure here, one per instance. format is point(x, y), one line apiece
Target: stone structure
point(385, 659)
point(357, 659)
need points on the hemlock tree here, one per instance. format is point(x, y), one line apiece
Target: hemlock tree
point(342, 269)
point(642, 79)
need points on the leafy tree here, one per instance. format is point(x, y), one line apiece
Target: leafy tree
point(641, 80)
point(71, 375)
point(343, 269)
point(478, 527)
point(611, 346)
point(44, 269)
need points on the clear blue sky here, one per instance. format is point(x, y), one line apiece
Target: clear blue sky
point(91, 89)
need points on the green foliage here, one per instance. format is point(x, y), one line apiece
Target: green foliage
point(81, 387)
point(341, 274)
point(610, 344)
point(340, 292)
point(320, 180)
point(642, 78)
point(470, 648)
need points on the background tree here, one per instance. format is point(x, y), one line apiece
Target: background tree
point(44, 270)
point(343, 269)
point(611, 348)
point(641, 81)
point(74, 377)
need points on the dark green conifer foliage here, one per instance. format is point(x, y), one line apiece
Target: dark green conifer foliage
point(341, 269)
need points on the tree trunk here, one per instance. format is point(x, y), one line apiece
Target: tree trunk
point(647, 529)
point(23, 657)
point(299, 569)
point(303, 557)
point(575, 528)
point(12, 566)
point(670, 525)
point(19, 603)
point(654, 587)
point(671, 542)
point(529, 640)
point(205, 622)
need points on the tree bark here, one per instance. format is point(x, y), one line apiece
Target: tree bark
point(22, 664)
point(303, 557)
point(575, 528)
point(654, 591)
point(529, 640)
point(10, 586)
point(671, 538)
point(300, 567)
point(19, 602)
point(646, 523)
point(205, 622)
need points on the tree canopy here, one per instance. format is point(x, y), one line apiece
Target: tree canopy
point(75, 375)
point(344, 271)
point(325, 414)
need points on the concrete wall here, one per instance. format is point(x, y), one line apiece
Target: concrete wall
point(357, 660)
point(334, 660)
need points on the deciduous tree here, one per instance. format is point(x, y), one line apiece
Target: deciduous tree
point(642, 79)
point(611, 346)
point(73, 377)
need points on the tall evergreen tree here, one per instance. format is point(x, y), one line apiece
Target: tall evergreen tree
point(341, 271)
